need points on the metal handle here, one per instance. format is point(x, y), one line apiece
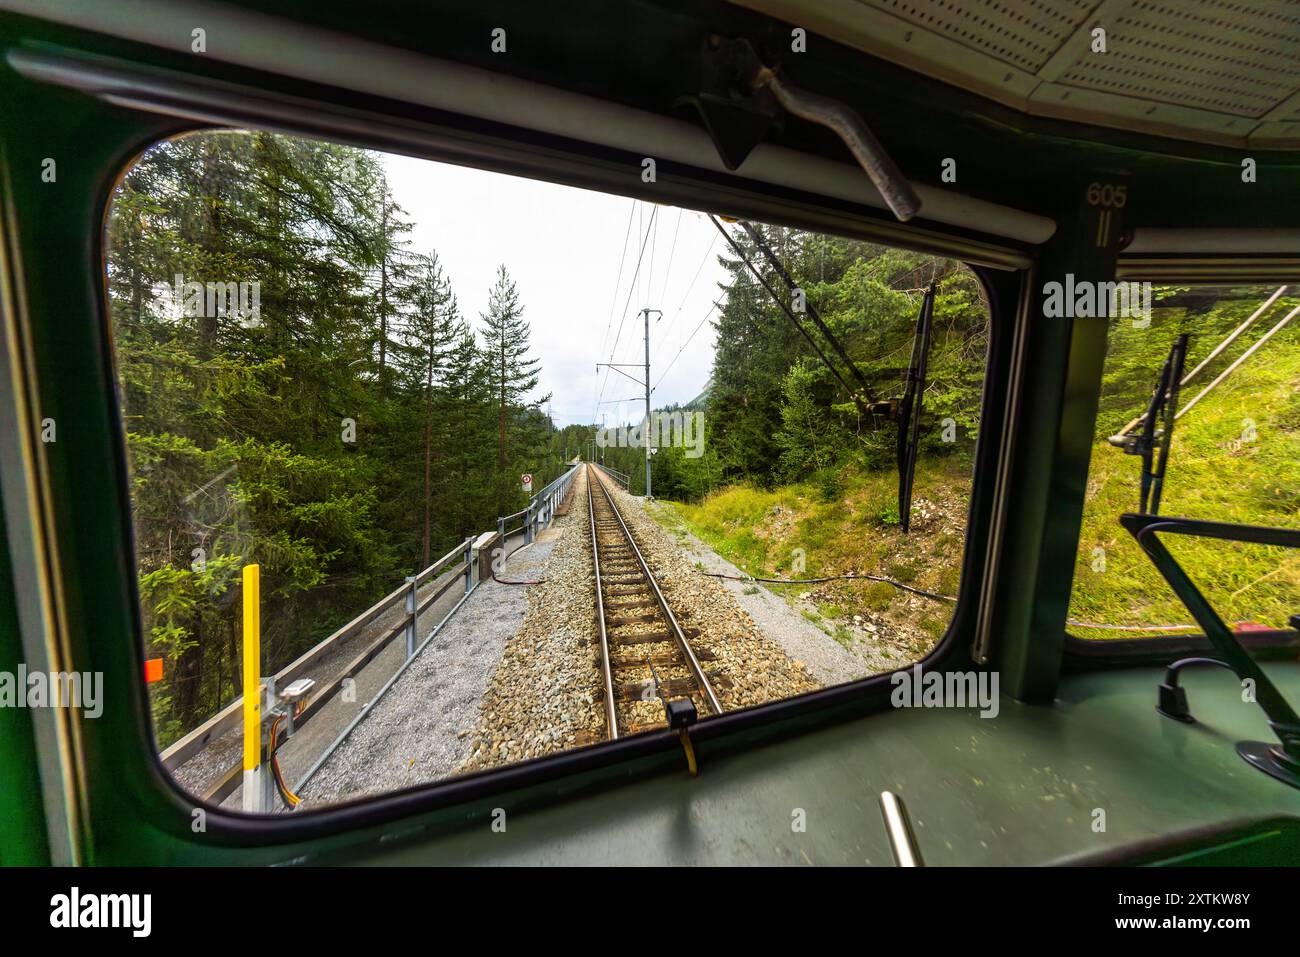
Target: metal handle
point(843, 120)
point(901, 839)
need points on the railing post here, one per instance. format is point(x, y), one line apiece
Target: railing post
point(469, 565)
point(501, 530)
point(257, 782)
point(410, 615)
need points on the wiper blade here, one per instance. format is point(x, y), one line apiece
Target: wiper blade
point(1150, 442)
point(909, 409)
point(1164, 404)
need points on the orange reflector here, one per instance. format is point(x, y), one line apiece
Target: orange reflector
point(153, 670)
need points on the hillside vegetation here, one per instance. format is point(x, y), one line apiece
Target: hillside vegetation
point(1233, 459)
point(847, 522)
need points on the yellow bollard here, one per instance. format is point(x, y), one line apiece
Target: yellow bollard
point(252, 682)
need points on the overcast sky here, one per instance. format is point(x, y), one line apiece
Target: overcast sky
point(563, 246)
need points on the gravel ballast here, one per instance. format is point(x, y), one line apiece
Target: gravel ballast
point(516, 673)
point(825, 658)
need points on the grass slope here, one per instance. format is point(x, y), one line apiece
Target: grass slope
point(1234, 458)
point(848, 522)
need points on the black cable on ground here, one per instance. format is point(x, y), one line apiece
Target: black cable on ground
point(833, 578)
point(507, 581)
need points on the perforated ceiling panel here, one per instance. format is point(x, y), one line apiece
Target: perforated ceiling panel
point(1021, 34)
point(1228, 57)
point(1225, 71)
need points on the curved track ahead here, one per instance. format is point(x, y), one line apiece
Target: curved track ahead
point(645, 653)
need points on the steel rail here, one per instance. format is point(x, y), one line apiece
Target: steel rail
point(611, 714)
point(680, 636)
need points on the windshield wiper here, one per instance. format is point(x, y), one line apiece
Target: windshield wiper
point(906, 411)
point(909, 409)
point(1150, 443)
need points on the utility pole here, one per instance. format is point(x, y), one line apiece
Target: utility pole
point(645, 434)
point(618, 367)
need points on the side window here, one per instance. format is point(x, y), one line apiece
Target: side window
point(1233, 457)
point(389, 460)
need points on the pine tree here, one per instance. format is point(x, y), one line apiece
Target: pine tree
point(469, 414)
point(505, 346)
point(431, 332)
point(396, 274)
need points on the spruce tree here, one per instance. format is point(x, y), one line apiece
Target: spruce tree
point(514, 373)
point(431, 332)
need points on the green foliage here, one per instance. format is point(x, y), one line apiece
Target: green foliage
point(808, 438)
point(775, 413)
point(830, 484)
point(778, 414)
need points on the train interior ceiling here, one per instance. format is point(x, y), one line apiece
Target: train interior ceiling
point(1059, 150)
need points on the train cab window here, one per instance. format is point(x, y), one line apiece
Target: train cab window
point(435, 470)
point(1231, 455)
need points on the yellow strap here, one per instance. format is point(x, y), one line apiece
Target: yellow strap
point(685, 738)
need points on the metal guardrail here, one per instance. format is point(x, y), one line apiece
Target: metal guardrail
point(622, 477)
point(369, 705)
point(229, 718)
point(538, 515)
point(540, 511)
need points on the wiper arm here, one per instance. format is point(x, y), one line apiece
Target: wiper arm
point(1150, 443)
point(909, 409)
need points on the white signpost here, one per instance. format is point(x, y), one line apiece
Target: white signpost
point(527, 481)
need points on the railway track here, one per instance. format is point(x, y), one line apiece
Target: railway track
point(646, 656)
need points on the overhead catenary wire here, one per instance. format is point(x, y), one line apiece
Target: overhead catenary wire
point(1231, 338)
point(790, 314)
point(613, 301)
point(640, 257)
point(672, 251)
point(813, 314)
point(713, 241)
point(631, 288)
point(683, 347)
point(622, 260)
point(654, 246)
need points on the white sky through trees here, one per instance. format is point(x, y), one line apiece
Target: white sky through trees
point(562, 247)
